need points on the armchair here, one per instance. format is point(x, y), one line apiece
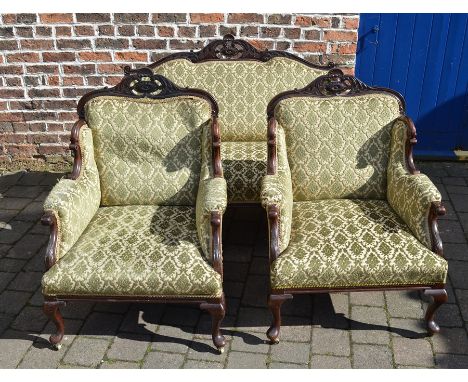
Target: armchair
point(140, 218)
point(347, 210)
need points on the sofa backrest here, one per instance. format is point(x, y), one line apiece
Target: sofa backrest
point(242, 79)
point(148, 145)
point(338, 134)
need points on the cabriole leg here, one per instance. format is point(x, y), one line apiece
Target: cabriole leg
point(217, 312)
point(51, 309)
point(439, 297)
point(274, 302)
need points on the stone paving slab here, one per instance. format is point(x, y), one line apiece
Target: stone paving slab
point(343, 330)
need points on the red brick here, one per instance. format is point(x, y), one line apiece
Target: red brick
point(37, 44)
point(44, 31)
point(8, 45)
point(312, 34)
point(149, 43)
point(126, 30)
point(132, 18)
point(110, 68)
point(75, 92)
point(69, 81)
point(106, 30)
point(11, 116)
point(169, 18)
point(283, 45)
point(13, 81)
point(186, 31)
point(292, 33)
point(43, 92)
point(24, 32)
point(145, 30)
point(112, 80)
point(261, 44)
point(206, 18)
point(73, 44)
point(269, 32)
point(93, 17)
point(11, 93)
point(207, 30)
point(46, 69)
point(63, 31)
point(131, 56)
point(343, 48)
point(58, 56)
point(51, 149)
point(279, 19)
point(56, 18)
point(84, 30)
point(71, 115)
point(310, 47)
point(245, 18)
point(94, 56)
point(308, 21)
point(164, 31)
point(351, 22)
point(42, 138)
point(332, 35)
point(79, 69)
point(23, 57)
point(53, 80)
point(112, 43)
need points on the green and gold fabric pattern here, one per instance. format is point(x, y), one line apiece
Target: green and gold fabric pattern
point(74, 202)
point(353, 243)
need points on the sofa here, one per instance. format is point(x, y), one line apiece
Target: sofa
point(243, 80)
point(140, 218)
point(347, 209)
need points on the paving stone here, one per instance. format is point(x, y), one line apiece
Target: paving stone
point(86, 351)
point(251, 342)
point(238, 360)
point(372, 357)
point(454, 181)
point(254, 320)
point(181, 315)
point(256, 291)
point(300, 306)
point(413, 352)
point(78, 309)
point(28, 246)
point(451, 361)
point(12, 302)
point(284, 365)
point(109, 364)
point(191, 364)
point(462, 189)
point(29, 192)
point(404, 304)
point(237, 253)
point(135, 322)
point(448, 315)
point(5, 321)
point(457, 251)
point(158, 360)
point(291, 352)
point(5, 279)
point(172, 339)
point(296, 329)
point(11, 265)
point(30, 319)
point(41, 356)
point(329, 362)
point(242, 233)
point(26, 281)
point(458, 271)
point(451, 231)
point(232, 307)
point(203, 329)
point(6, 216)
point(14, 346)
point(367, 298)
point(51, 178)
point(330, 314)
point(259, 266)
point(462, 296)
point(72, 327)
point(40, 229)
point(369, 325)
point(233, 289)
point(37, 298)
point(31, 178)
point(131, 347)
point(204, 349)
point(14, 231)
point(111, 307)
point(33, 212)
point(407, 327)
point(451, 340)
point(460, 202)
point(235, 271)
point(13, 203)
point(330, 342)
point(11, 178)
point(101, 324)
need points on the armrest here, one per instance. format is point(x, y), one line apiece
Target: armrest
point(210, 206)
point(72, 203)
point(412, 195)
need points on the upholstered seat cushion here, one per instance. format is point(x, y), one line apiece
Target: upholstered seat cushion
point(244, 165)
point(353, 243)
point(136, 251)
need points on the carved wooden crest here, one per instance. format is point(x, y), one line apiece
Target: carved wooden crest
point(143, 83)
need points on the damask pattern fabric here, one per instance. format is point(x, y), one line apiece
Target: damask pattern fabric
point(338, 147)
point(277, 190)
point(74, 202)
point(136, 251)
point(241, 88)
point(212, 197)
point(148, 151)
point(244, 165)
point(409, 195)
point(353, 243)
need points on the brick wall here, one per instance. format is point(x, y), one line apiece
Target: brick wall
point(48, 61)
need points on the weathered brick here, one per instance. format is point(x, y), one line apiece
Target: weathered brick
point(74, 44)
point(279, 19)
point(312, 34)
point(249, 31)
point(63, 31)
point(112, 43)
point(84, 30)
point(37, 44)
point(106, 30)
point(184, 31)
point(169, 18)
point(145, 30)
point(132, 18)
point(8, 45)
point(245, 18)
point(292, 33)
point(165, 31)
point(126, 30)
point(206, 18)
point(93, 17)
point(207, 30)
point(44, 31)
point(269, 32)
point(149, 43)
point(310, 46)
point(131, 56)
point(58, 56)
point(332, 35)
point(308, 21)
point(185, 44)
point(6, 31)
point(56, 18)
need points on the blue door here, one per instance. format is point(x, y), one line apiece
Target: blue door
point(425, 58)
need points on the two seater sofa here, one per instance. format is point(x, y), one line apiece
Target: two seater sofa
point(140, 219)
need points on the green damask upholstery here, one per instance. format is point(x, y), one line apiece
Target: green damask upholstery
point(242, 89)
point(409, 195)
point(136, 251)
point(148, 151)
point(338, 147)
point(351, 243)
point(74, 202)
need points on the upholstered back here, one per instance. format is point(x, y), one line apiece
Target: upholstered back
point(242, 88)
point(338, 147)
point(148, 151)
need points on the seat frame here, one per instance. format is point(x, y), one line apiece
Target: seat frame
point(141, 83)
point(337, 84)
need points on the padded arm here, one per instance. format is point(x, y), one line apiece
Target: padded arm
point(276, 192)
point(410, 193)
point(73, 202)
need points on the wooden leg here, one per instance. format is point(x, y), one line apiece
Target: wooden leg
point(439, 296)
point(217, 312)
point(274, 302)
point(51, 309)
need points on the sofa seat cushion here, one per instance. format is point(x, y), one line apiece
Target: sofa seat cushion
point(353, 243)
point(136, 251)
point(244, 165)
